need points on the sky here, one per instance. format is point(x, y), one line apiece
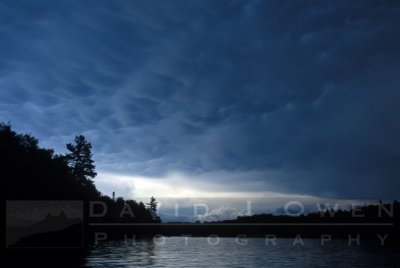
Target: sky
point(212, 98)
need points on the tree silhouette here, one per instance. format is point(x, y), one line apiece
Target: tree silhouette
point(80, 160)
point(152, 207)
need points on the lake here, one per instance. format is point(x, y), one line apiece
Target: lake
point(240, 252)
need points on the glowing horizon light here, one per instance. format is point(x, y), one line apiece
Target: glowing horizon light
point(174, 185)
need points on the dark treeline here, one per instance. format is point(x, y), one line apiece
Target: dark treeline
point(382, 212)
point(29, 172)
point(367, 221)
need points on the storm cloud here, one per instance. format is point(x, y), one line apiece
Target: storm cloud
point(298, 97)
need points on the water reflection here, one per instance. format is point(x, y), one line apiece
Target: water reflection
point(122, 254)
point(203, 252)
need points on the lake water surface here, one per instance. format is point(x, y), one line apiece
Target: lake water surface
point(249, 252)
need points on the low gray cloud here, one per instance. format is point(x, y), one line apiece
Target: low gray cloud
point(303, 93)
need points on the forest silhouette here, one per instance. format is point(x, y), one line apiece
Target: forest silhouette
point(30, 172)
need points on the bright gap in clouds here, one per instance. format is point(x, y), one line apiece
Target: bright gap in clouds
point(178, 194)
point(179, 185)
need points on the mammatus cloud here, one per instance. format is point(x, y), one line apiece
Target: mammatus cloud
point(254, 96)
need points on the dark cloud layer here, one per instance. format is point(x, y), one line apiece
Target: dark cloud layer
point(306, 91)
